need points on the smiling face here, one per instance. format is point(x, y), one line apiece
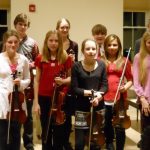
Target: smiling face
point(63, 26)
point(112, 48)
point(89, 49)
point(11, 45)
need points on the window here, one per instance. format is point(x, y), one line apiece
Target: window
point(133, 29)
point(3, 22)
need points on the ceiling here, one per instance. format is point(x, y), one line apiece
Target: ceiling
point(4, 3)
point(128, 4)
point(137, 5)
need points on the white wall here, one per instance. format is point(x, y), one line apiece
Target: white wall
point(82, 14)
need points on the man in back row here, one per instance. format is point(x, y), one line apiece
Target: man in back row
point(29, 48)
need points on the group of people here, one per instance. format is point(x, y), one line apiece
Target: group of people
point(64, 86)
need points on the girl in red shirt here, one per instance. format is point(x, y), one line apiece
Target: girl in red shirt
point(115, 63)
point(49, 66)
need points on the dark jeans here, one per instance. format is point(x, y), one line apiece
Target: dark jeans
point(28, 127)
point(69, 107)
point(145, 143)
point(14, 138)
point(56, 136)
point(80, 141)
point(109, 129)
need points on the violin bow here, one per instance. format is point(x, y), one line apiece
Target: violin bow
point(122, 76)
point(9, 117)
point(50, 115)
point(91, 120)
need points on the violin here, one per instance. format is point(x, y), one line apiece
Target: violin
point(120, 118)
point(56, 111)
point(58, 102)
point(16, 99)
point(29, 91)
point(95, 121)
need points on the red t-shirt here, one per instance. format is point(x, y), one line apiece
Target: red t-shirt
point(49, 70)
point(114, 75)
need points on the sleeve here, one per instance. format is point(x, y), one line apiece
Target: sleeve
point(68, 64)
point(137, 86)
point(104, 81)
point(35, 51)
point(76, 51)
point(38, 61)
point(75, 79)
point(128, 72)
point(25, 81)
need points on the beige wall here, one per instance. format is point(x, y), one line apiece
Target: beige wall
point(83, 14)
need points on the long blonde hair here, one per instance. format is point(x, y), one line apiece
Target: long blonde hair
point(142, 61)
point(61, 53)
point(119, 59)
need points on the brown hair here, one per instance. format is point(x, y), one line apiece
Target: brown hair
point(61, 53)
point(22, 18)
point(60, 21)
point(84, 42)
point(8, 34)
point(99, 28)
point(119, 60)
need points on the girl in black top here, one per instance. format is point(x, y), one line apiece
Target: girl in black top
point(86, 75)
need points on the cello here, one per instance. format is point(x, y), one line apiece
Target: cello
point(121, 119)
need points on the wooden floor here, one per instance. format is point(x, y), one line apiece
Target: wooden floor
point(132, 134)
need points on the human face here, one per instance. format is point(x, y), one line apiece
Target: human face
point(52, 43)
point(21, 28)
point(90, 50)
point(64, 28)
point(148, 45)
point(112, 48)
point(11, 45)
point(99, 38)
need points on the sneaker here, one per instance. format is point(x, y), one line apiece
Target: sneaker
point(139, 144)
point(110, 146)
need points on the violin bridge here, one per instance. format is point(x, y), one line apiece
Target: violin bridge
point(121, 114)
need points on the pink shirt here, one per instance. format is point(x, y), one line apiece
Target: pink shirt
point(114, 75)
point(140, 90)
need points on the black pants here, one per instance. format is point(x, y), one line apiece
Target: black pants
point(28, 127)
point(109, 130)
point(69, 108)
point(56, 133)
point(145, 143)
point(14, 138)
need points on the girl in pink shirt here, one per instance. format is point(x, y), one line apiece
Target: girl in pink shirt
point(141, 72)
